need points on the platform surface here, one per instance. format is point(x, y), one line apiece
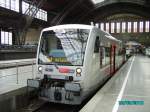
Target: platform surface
point(130, 85)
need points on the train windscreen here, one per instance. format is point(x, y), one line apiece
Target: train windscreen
point(63, 47)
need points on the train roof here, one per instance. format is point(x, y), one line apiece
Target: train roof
point(80, 26)
point(112, 38)
point(69, 26)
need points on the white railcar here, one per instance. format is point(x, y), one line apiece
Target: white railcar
point(73, 61)
point(147, 51)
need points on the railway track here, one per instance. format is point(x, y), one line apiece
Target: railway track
point(43, 106)
point(33, 106)
point(53, 107)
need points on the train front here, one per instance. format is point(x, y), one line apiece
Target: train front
point(60, 64)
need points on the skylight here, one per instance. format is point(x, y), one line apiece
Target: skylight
point(97, 1)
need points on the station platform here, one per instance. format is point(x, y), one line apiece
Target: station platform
point(13, 83)
point(14, 74)
point(127, 91)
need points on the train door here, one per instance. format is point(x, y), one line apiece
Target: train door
point(97, 49)
point(112, 59)
point(102, 56)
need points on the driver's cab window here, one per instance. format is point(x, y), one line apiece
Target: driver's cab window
point(50, 43)
point(64, 46)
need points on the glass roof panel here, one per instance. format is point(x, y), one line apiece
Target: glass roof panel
point(97, 1)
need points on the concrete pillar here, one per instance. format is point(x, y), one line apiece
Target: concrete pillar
point(120, 27)
point(144, 26)
point(104, 26)
point(149, 27)
point(132, 28)
point(126, 30)
point(109, 27)
point(138, 26)
point(115, 27)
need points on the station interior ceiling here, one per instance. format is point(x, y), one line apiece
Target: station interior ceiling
point(76, 12)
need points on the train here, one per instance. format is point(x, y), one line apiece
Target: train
point(73, 60)
point(147, 51)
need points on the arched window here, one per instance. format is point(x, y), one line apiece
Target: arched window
point(123, 27)
point(10, 4)
point(6, 38)
point(107, 27)
point(134, 27)
point(141, 27)
point(118, 27)
point(129, 27)
point(112, 27)
point(147, 26)
point(102, 26)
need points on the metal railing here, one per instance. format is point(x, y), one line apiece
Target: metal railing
point(15, 72)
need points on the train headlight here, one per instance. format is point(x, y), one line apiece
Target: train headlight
point(40, 68)
point(78, 72)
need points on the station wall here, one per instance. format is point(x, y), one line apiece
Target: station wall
point(32, 36)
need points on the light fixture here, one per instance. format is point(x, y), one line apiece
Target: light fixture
point(78, 72)
point(40, 68)
point(97, 1)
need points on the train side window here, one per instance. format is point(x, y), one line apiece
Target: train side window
point(97, 45)
point(107, 55)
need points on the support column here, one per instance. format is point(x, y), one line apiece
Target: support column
point(126, 23)
point(132, 27)
point(104, 26)
point(109, 27)
point(138, 26)
point(99, 26)
point(144, 25)
point(120, 27)
point(115, 27)
point(149, 27)
point(20, 6)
